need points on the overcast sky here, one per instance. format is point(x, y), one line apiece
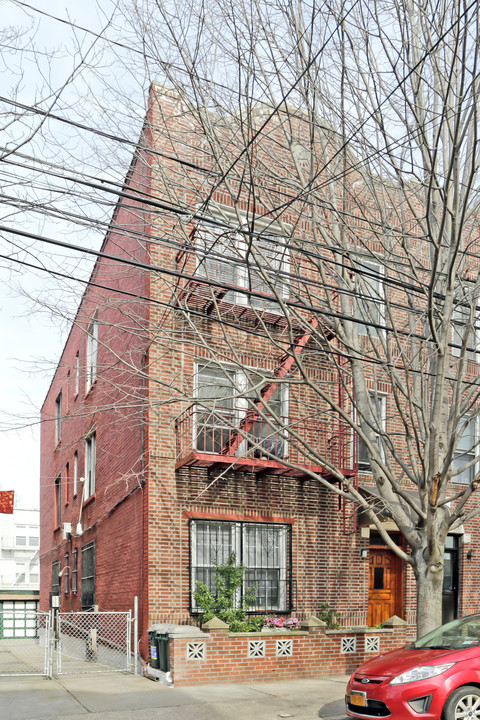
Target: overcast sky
point(32, 338)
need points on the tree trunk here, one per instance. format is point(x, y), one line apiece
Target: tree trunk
point(429, 577)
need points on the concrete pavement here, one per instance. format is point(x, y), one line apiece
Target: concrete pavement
point(118, 696)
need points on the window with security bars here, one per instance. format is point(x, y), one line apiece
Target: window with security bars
point(262, 548)
point(56, 577)
point(88, 576)
point(75, 571)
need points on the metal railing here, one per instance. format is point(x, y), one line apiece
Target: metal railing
point(210, 432)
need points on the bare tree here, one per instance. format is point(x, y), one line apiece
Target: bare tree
point(318, 162)
point(358, 122)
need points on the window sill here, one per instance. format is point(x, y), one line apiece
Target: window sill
point(88, 500)
point(89, 389)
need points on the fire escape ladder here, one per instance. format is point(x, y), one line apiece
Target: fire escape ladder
point(347, 507)
point(252, 414)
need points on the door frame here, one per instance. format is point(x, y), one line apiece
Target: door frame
point(376, 543)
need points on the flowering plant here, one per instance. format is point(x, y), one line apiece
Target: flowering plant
point(283, 623)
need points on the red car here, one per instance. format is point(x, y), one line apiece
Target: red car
point(434, 678)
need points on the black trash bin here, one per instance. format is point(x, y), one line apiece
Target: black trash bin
point(152, 641)
point(159, 650)
point(163, 651)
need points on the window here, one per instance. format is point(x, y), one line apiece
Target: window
point(90, 463)
point(263, 548)
point(34, 577)
point(370, 301)
point(226, 394)
point(379, 409)
point(26, 536)
point(77, 373)
point(21, 536)
point(463, 330)
point(92, 351)
point(464, 456)
point(56, 577)
point(58, 418)
point(255, 262)
point(20, 574)
point(33, 537)
point(58, 500)
point(75, 472)
point(88, 576)
point(75, 571)
point(67, 482)
point(66, 574)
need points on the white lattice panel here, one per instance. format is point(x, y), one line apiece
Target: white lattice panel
point(372, 644)
point(256, 648)
point(196, 651)
point(348, 645)
point(285, 647)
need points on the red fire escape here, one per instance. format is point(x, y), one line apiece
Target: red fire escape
point(248, 440)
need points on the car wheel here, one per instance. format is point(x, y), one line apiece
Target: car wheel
point(463, 703)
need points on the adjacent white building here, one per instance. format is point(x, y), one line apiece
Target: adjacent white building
point(19, 571)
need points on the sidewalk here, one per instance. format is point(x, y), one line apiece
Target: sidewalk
point(130, 697)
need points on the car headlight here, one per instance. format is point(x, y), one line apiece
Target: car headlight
point(422, 672)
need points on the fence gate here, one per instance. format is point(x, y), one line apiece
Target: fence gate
point(93, 642)
point(25, 642)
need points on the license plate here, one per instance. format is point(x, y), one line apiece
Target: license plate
point(358, 698)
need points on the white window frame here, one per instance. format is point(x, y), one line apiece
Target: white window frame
point(373, 309)
point(77, 374)
point(234, 247)
point(90, 463)
point(374, 396)
point(240, 403)
point(457, 336)
point(467, 454)
point(92, 351)
point(75, 473)
point(58, 418)
point(28, 532)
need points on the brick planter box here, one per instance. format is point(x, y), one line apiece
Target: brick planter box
point(223, 657)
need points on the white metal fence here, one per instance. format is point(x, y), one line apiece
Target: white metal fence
point(25, 645)
point(93, 642)
point(39, 643)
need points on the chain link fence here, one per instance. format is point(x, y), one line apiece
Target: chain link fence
point(25, 643)
point(93, 642)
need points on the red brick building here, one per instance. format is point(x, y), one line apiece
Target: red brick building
point(144, 489)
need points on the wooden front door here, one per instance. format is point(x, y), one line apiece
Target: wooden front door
point(385, 589)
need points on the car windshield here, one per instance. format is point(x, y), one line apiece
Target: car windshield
point(461, 633)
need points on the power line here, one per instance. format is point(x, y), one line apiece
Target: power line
point(294, 305)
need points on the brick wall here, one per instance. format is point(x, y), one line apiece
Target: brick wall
point(242, 657)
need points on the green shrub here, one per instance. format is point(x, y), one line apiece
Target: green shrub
point(329, 616)
point(223, 602)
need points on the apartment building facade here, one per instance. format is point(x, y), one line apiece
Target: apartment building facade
point(187, 418)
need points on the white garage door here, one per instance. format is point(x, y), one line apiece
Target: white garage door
point(18, 619)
